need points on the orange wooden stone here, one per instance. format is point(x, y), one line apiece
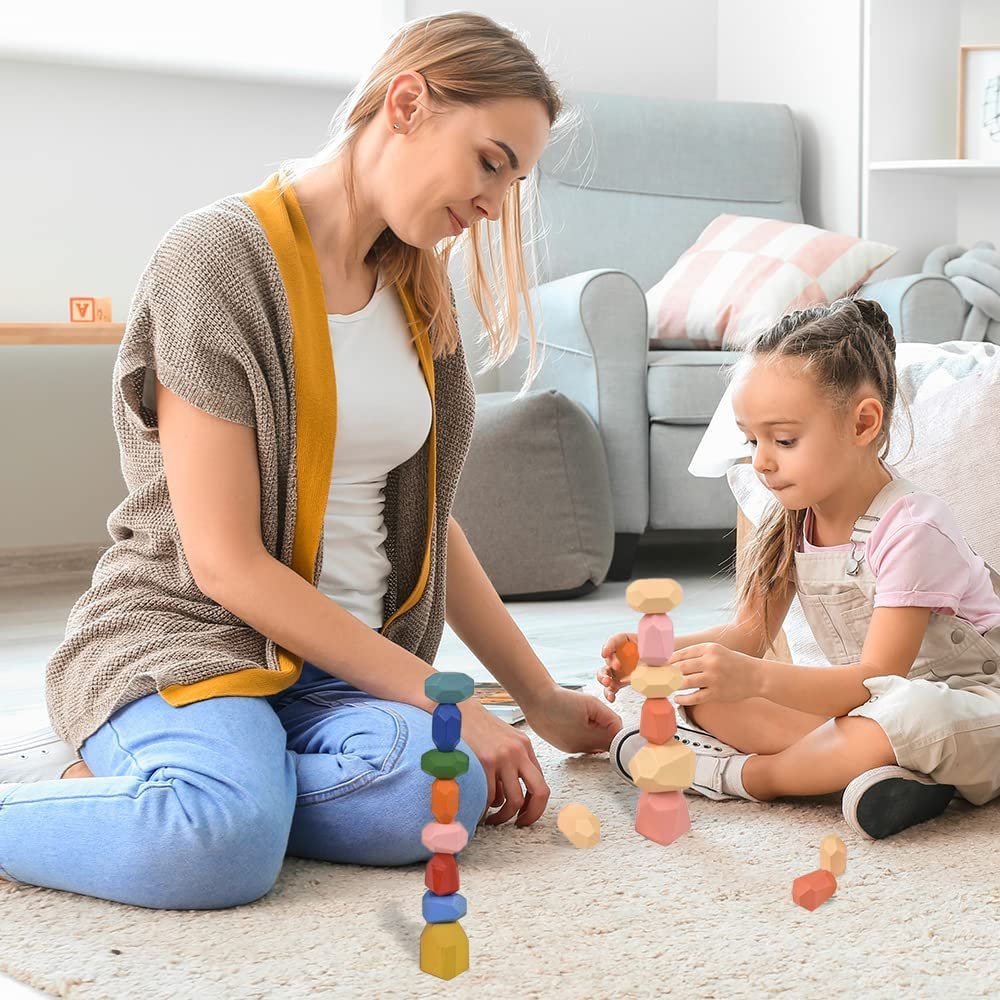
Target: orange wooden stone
point(441, 874)
point(628, 658)
point(658, 721)
point(662, 816)
point(444, 799)
point(815, 888)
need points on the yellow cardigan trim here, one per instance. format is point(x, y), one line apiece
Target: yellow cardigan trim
point(284, 225)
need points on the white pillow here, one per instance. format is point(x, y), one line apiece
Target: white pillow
point(744, 273)
point(921, 370)
point(954, 397)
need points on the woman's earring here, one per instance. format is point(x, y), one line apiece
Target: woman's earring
point(395, 125)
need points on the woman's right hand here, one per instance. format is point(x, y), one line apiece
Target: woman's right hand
point(611, 674)
point(508, 758)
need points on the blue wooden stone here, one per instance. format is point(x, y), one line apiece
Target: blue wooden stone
point(446, 726)
point(444, 909)
point(448, 687)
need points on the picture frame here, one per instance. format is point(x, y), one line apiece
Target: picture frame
point(979, 103)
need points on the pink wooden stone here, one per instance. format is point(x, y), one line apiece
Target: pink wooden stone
point(656, 639)
point(662, 816)
point(444, 838)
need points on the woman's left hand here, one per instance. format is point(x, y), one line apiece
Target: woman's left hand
point(720, 673)
point(572, 721)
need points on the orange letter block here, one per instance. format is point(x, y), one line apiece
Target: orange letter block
point(815, 888)
point(662, 816)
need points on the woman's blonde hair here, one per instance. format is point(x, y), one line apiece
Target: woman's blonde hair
point(465, 59)
point(844, 346)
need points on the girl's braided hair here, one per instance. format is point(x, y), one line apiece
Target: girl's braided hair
point(844, 346)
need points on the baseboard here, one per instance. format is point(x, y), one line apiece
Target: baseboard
point(47, 564)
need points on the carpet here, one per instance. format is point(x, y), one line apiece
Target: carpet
point(711, 916)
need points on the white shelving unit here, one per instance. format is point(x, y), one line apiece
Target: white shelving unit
point(940, 168)
point(914, 194)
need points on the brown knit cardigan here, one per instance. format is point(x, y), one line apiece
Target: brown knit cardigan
point(230, 315)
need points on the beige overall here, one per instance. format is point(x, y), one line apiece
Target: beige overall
point(943, 718)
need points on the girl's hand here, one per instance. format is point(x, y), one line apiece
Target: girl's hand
point(610, 675)
point(720, 673)
point(572, 721)
point(508, 758)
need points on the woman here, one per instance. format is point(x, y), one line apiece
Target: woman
point(245, 675)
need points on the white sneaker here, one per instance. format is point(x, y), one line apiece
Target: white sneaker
point(38, 755)
point(888, 799)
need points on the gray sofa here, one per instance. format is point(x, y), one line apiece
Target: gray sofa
point(622, 201)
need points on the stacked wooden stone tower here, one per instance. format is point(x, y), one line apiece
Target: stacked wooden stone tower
point(444, 947)
point(664, 767)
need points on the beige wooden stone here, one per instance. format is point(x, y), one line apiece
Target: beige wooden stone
point(579, 825)
point(656, 682)
point(833, 855)
point(654, 596)
point(667, 767)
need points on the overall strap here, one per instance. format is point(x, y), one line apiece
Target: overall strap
point(865, 524)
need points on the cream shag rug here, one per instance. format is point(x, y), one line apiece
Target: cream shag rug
point(917, 915)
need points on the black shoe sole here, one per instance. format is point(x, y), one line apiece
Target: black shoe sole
point(894, 804)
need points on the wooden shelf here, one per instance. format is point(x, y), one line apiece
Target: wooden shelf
point(61, 333)
point(942, 168)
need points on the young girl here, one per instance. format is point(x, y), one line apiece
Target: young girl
point(908, 712)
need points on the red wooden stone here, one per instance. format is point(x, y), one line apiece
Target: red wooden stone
point(815, 888)
point(441, 876)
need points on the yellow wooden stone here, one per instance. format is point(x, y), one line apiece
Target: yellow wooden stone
point(656, 682)
point(579, 825)
point(654, 596)
point(833, 855)
point(444, 950)
point(667, 767)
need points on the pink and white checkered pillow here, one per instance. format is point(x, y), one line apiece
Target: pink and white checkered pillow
point(743, 274)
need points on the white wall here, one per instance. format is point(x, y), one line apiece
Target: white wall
point(98, 163)
point(806, 54)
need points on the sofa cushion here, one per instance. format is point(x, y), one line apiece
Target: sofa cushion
point(685, 387)
point(745, 272)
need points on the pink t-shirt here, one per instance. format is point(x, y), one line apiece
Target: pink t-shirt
point(921, 559)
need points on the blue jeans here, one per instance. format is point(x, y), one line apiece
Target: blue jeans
point(195, 807)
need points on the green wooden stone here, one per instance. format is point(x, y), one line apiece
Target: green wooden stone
point(448, 687)
point(445, 763)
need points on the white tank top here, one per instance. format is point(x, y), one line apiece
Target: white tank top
point(383, 418)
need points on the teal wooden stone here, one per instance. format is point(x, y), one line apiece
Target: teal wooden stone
point(448, 687)
point(445, 763)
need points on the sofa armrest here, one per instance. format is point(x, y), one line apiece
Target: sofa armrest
point(923, 308)
point(594, 349)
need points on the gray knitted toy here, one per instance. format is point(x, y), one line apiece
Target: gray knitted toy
point(976, 274)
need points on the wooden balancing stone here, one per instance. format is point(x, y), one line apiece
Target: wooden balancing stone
point(663, 768)
point(444, 946)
